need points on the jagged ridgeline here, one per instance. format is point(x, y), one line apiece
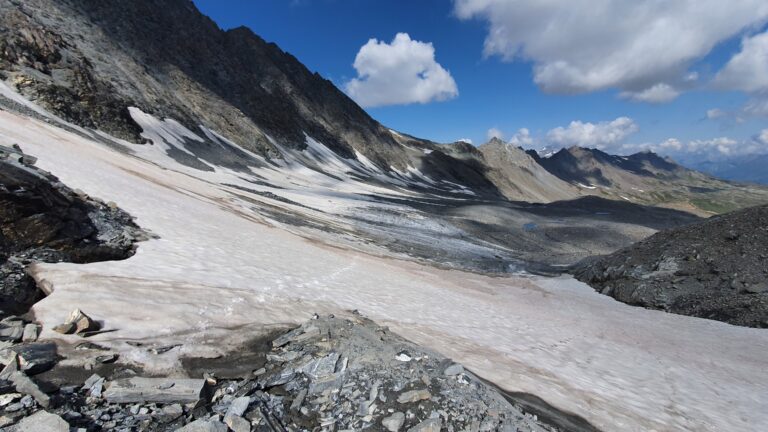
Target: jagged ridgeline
point(89, 61)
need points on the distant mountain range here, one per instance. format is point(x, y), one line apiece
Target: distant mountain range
point(751, 168)
point(103, 64)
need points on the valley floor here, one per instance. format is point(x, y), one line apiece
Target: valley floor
point(218, 265)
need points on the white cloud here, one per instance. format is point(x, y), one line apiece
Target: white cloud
point(401, 72)
point(601, 135)
point(643, 48)
point(704, 149)
point(716, 113)
point(717, 146)
point(465, 140)
point(757, 106)
point(522, 138)
point(494, 133)
point(748, 69)
point(659, 93)
point(762, 137)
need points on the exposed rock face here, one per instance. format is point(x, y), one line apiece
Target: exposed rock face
point(42, 220)
point(89, 61)
point(716, 269)
point(521, 177)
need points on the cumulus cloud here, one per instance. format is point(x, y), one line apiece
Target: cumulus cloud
point(401, 72)
point(602, 135)
point(643, 48)
point(748, 69)
point(494, 133)
point(659, 93)
point(522, 138)
point(704, 149)
point(762, 138)
point(612, 137)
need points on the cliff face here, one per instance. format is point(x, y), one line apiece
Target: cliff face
point(89, 61)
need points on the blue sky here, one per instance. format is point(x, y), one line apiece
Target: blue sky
point(494, 92)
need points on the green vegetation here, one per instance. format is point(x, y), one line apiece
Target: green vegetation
point(713, 206)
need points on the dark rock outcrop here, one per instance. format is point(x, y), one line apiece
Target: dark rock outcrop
point(328, 374)
point(715, 269)
point(41, 220)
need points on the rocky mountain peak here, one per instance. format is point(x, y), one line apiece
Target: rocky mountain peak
point(495, 141)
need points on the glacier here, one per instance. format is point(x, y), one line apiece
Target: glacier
point(220, 266)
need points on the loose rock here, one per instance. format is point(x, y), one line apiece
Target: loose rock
point(43, 421)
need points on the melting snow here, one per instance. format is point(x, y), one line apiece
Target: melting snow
point(218, 265)
point(586, 187)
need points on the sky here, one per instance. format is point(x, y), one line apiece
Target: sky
point(686, 78)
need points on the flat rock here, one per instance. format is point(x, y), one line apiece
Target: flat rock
point(454, 369)
point(414, 396)
point(33, 358)
point(238, 424)
point(330, 382)
point(11, 331)
point(31, 331)
point(238, 407)
point(429, 425)
point(65, 328)
point(394, 422)
point(322, 367)
point(26, 386)
point(204, 426)
point(277, 378)
point(154, 390)
point(297, 335)
point(43, 421)
point(170, 413)
point(757, 288)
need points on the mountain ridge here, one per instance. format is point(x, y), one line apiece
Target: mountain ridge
point(92, 62)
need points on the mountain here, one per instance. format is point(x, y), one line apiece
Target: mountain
point(89, 61)
point(270, 199)
point(721, 275)
point(649, 179)
point(119, 67)
point(521, 176)
point(751, 168)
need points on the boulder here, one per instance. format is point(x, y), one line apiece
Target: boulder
point(204, 426)
point(154, 390)
point(43, 421)
point(757, 288)
point(65, 328)
point(31, 331)
point(33, 358)
point(11, 331)
point(394, 422)
point(238, 407)
point(83, 323)
point(26, 386)
point(170, 413)
point(429, 425)
point(454, 369)
point(238, 424)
